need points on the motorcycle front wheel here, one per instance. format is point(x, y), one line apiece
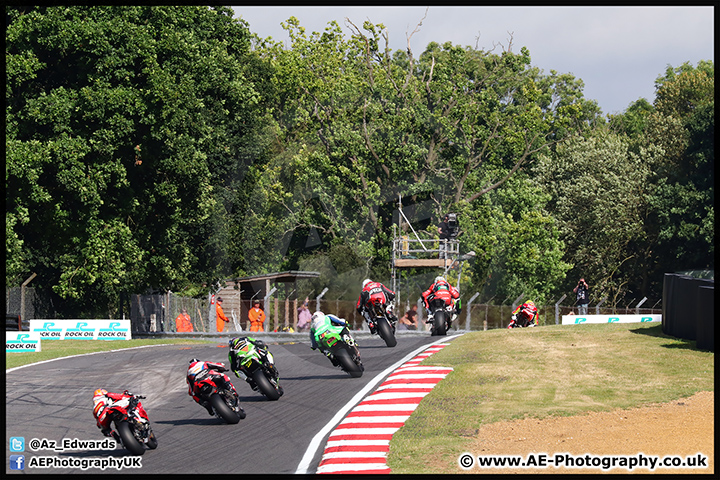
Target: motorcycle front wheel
point(223, 410)
point(264, 385)
point(129, 441)
point(385, 332)
point(439, 324)
point(152, 441)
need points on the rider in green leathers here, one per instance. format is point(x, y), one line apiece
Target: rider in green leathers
point(237, 343)
point(320, 323)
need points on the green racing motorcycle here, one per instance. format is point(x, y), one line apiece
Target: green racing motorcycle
point(255, 365)
point(343, 349)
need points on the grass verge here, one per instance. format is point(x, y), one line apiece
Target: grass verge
point(65, 348)
point(558, 370)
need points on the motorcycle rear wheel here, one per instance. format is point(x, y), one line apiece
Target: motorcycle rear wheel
point(439, 324)
point(347, 364)
point(385, 332)
point(264, 385)
point(222, 409)
point(129, 441)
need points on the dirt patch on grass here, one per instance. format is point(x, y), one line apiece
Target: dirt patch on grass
point(684, 428)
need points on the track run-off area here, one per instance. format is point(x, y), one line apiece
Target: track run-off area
point(326, 422)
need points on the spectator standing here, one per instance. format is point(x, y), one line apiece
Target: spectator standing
point(256, 317)
point(220, 318)
point(183, 322)
point(582, 295)
point(304, 316)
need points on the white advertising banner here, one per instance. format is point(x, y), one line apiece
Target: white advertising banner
point(22, 342)
point(575, 319)
point(81, 329)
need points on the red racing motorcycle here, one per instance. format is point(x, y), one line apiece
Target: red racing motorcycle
point(132, 424)
point(215, 387)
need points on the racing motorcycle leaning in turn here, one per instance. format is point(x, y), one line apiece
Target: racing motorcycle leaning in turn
point(251, 360)
point(526, 315)
point(330, 335)
point(132, 426)
point(211, 388)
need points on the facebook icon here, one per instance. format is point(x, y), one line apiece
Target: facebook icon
point(17, 462)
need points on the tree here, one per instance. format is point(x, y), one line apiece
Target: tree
point(121, 123)
point(682, 217)
point(599, 192)
point(451, 126)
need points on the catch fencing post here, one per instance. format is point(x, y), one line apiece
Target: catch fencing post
point(597, 307)
point(266, 306)
point(637, 307)
point(501, 311)
point(487, 307)
point(22, 297)
point(517, 301)
point(557, 309)
point(317, 299)
point(469, 305)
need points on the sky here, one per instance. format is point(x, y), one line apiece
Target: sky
point(618, 52)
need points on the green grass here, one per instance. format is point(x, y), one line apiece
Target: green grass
point(64, 348)
point(548, 371)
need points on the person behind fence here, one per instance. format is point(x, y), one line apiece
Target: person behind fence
point(409, 320)
point(256, 317)
point(526, 315)
point(304, 316)
point(220, 319)
point(582, 295)
point(374, 292)
point(183, 322)
point(441, 289)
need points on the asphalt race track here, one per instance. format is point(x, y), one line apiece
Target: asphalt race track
point(53, 401)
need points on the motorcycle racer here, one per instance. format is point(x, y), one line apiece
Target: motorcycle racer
point(441, 289)
point(374, 292)
point(238, 343)
point(526, 315)
point(195, 368)
point(102, 399)
point(320, 323)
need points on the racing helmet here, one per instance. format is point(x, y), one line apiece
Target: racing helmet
point(99, 392)
point(365, 282)
point(237, 343)
point(530, 303)
point(193, 360)
point(317, 319)
point(440, 279)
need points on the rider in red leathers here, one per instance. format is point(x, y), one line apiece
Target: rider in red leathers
point(526, 315)
point(374, 292)
point(441, 289)
point(196, 366)
point(102, 399)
